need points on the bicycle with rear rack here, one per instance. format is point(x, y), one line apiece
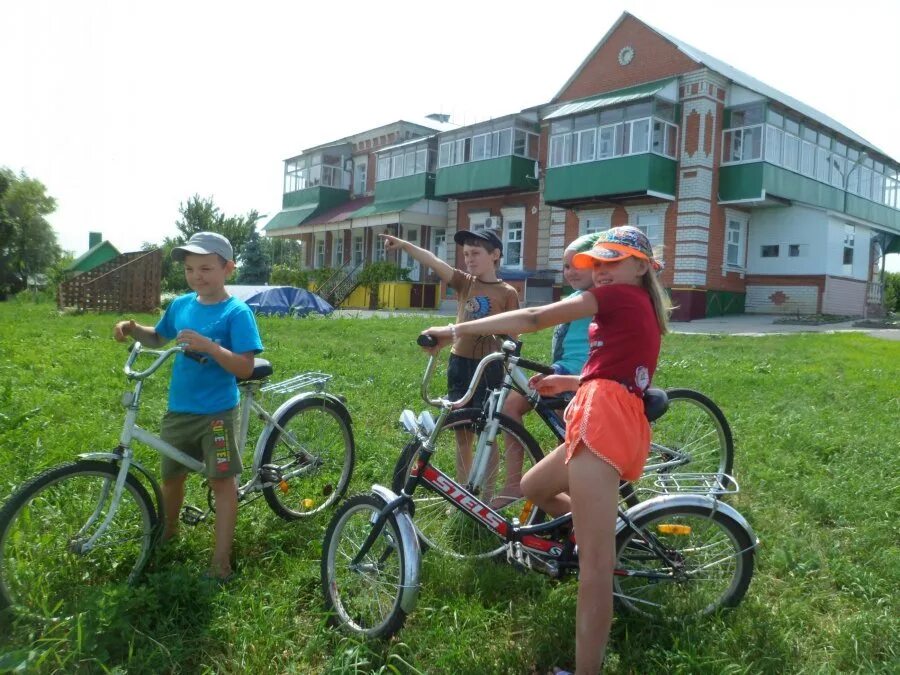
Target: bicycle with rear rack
point(93, 521)
point(690, 435)
point(681, 554)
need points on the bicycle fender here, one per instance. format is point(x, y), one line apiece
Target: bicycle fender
point(269, 428)
point(700, 501)
point(113, 457)
point(412, 553)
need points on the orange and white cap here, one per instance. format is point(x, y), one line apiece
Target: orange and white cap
point(618, 243)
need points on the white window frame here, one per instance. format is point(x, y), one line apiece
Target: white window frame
point(513, 234)
point(737, 238)
point(849, 245)
point(439, 242)
point(337, 249)
point(319, 253)
point(359, 255)
point(360, 175)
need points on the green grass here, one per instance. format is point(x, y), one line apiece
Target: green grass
point(816, 441)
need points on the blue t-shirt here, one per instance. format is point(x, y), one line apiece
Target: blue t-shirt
point(569, 348)
point(207, 388)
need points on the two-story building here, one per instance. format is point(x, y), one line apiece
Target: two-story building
point(759, 202)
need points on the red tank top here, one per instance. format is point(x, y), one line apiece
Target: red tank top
point(624, 337)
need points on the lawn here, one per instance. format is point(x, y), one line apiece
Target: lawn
point(815, 420)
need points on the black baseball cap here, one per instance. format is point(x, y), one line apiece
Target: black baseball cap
point(485, 235)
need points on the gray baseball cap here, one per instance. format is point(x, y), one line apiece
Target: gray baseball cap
point(204, 243)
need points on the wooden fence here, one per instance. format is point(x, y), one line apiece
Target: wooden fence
point(127, 283)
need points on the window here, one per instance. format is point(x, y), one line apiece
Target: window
point(791, 158)
point(798, 250)
point(586, 141)
point(823, 164)
point(409, 163)
point(481, 147)
point(513, 233)
point(774, 141)
point(502, 142)
point(445, 154)
point(640, 136)
point(439, 243)
point(338, 253)
point(384, 168)
point(320, 253)
point(580, 140)
point(360, 169)
point(769, 251)
point(849, 242)
point(734, 244)
point(357, 250)
point(808, 159)
point(742, 145)
point(396, 166)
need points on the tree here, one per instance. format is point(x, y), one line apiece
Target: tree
point(256, 265)
point(28, 244)
point(202, 215)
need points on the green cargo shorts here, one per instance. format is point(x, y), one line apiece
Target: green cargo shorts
point(211, 439)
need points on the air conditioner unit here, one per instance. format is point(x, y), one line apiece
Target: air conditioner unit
point(493, 222)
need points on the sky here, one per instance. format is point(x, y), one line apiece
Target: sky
point(124, 110)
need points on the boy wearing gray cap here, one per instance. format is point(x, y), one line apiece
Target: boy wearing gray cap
point(202, 419)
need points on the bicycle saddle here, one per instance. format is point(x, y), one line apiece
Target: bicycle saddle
point(655, 403)
point(261, 369)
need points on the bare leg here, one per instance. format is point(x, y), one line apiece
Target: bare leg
point(593, 486)
point(515, 408)
point(173, 498)
point(464, 439)
point(225, 491)
point(546, 483)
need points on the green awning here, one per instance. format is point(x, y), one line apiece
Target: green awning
point(290, 217)
point(610, 99)
point(385, 207)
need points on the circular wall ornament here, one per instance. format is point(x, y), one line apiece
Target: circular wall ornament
point(626, 54)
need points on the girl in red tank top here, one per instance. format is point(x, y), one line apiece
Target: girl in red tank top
point(607, 434)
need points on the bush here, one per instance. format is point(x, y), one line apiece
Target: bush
point(285, 275)
point(378, 272)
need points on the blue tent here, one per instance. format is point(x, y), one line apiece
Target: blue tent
point(280, 300)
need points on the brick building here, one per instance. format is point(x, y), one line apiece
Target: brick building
point(758, 202)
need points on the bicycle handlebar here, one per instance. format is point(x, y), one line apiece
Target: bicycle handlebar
point(509, 349)
point(161, 356)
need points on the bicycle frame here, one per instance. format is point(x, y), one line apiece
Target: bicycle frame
point(131, 431)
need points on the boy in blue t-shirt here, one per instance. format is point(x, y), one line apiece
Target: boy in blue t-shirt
point(203, 417)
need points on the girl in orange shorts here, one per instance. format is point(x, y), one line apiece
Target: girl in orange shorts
point(607, 435)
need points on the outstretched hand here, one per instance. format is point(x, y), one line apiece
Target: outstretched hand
point(123, 330)
point(391, 243)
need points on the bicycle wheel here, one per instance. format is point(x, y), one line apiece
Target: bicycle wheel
point(707, 563)
point(363, 599)
point(693, 436)
point(444, 527)
point(41, 572)
point(314, 455)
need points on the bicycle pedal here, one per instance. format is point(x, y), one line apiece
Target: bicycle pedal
point(192, 515)
point(270, 473)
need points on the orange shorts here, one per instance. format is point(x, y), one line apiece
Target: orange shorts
point(610, 422)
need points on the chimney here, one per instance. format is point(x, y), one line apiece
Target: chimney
point(94, 238)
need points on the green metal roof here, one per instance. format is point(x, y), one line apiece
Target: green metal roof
point(385, 207)
point(94, 257)
point(610, 99)
point(291, 217)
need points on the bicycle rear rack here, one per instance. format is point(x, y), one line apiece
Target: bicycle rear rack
point(693, 483)
point(311, 380)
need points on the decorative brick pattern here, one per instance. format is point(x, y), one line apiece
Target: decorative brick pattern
point(689, 279)
point(766, 299)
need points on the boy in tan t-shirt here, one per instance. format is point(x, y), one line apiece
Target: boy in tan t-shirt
point(480, 294)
